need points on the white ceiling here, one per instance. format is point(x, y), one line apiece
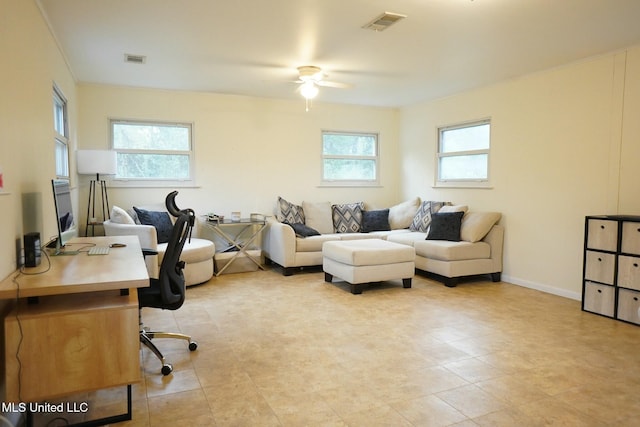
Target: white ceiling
point(252, 47)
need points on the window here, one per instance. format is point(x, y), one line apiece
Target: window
point(463, 154)
point(61, 139)
point(349, 158)
point(153, 151)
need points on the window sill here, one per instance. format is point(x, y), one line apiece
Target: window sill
point(348, 185)
point(121, 183)
point(466, 185)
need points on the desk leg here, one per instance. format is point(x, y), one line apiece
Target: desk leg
point(99, 422)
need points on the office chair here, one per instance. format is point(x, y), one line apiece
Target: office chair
point(168, 290)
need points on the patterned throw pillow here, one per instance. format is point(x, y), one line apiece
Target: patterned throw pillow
point(347, 218)
point(289, 212)
point(422, 219)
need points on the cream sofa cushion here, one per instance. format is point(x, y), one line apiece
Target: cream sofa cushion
point(408, 238)
point(452, 251)
point(401, 215)
point(453, 208)
point(368, 252)
point(476, 225)
point(318, 216)
point(314, 243)
point(197, 250)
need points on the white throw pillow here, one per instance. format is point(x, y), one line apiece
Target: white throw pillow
point(401, 215)
point(476, 225)
point(318, 216)
point(454, 208)
point(120, 216)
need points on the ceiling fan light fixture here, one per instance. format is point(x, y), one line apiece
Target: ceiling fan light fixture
point(309, 90)
point(310, 73)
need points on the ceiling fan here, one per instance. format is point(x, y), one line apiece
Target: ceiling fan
point(310, 78)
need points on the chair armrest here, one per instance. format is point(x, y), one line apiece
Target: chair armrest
point(148, 252)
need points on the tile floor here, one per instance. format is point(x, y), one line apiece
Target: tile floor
point(296, 351)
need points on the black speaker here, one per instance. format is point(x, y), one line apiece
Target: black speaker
point(32, 249)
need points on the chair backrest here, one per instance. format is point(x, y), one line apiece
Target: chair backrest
point(171, 277)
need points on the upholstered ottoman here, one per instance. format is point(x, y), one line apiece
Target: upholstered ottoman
point(365, 261)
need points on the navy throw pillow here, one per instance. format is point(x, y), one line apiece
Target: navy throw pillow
point(445, 226)
point(302, 230)
point(160, 220)
point(377, 220)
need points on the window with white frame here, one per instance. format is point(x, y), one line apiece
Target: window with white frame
point(463, 154)
point(61, 128)
point(349, 158)
point(153, 152)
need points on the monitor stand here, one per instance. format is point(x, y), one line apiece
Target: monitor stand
point(60, 250)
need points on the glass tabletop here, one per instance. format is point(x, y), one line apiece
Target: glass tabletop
point(228, 221)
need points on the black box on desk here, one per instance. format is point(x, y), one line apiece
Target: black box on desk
point(32, 249)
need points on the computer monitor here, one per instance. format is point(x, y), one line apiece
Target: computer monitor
point(64, 213)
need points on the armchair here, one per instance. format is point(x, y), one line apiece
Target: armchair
point(197, 253)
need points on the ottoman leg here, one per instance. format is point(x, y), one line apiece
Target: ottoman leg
point(406, 283)
point(356, 289)
point(328, 277)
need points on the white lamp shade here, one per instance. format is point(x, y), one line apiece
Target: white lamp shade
point(309, 90)
point(91, 162)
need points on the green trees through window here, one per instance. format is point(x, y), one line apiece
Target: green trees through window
point(349, 157)
point(152, 151)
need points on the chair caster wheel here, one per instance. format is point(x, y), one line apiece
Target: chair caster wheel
point(166, 369)
point(193, 345)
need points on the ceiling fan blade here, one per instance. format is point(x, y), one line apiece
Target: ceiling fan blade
point(327, 83)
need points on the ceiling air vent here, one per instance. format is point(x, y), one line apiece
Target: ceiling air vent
point(135, 59)
point(384, 21)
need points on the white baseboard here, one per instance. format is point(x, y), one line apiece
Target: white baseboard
point(543, 288)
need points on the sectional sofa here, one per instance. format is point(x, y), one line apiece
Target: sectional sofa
point(450, 241)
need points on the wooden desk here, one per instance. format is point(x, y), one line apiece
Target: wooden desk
point(82, 334)
point(122, 268)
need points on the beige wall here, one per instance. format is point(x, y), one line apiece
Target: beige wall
point(629, 200)
point(248, 150)
point(557, 139)
point(31, 64)
point(565, 143)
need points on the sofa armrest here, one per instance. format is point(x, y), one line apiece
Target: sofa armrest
point(146, 234)
point(279, 243)
point(495, 239)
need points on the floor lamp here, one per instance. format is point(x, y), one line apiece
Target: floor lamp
point(96, 162)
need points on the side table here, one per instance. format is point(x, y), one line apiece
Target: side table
point(240, 235)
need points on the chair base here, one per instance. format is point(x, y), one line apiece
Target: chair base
point(146, 336)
